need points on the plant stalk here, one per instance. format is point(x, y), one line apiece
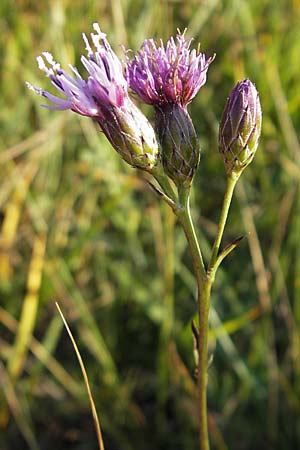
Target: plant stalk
point(184, 215)
point(203, 314)
point(204, 289)
point(205, 279)
point(163, 181)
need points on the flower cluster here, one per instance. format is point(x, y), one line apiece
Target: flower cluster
point(167, 77)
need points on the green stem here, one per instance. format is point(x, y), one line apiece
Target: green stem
point(164, 182)
point(203, 313)
point(204, 288)
point(231, 182)
point(184, 215)
point(205, 281)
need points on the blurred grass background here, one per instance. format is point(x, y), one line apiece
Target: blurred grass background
point(80, 227)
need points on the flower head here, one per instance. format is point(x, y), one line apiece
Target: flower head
point(104, 97)
point(167, 75)
point(240, 127)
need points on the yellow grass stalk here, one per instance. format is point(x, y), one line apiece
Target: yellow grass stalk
point(29, 309)
point(86, 381)
point(11, 220)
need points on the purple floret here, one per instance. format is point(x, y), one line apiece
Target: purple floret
point(104, 97)
point(167, 75)
point(104, 88)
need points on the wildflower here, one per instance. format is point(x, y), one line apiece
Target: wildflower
point(169, 78)
point(167, 75)
point(240, 127)
point(103, 97)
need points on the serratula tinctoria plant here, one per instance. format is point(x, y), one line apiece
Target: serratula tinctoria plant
point(167, 77)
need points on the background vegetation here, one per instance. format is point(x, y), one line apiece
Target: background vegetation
point(80, 227)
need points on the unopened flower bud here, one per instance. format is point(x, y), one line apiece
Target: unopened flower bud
point(180, 146)
point(240, 127)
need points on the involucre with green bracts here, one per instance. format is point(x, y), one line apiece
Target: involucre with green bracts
point(179, 142)
point(240, 127)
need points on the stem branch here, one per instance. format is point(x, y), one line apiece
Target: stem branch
point(164, 182)
point(184, 214)
point(231, 182)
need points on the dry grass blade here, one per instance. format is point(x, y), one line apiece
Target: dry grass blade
point(262, 283)
point(255, 249)
point(42, 354)
point(96, 343)
point(86, 381)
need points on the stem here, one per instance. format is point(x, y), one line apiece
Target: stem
point(164, 182)
point(184, 215)
point(205, 281)
point(231, 182)
point(203, 312)
point(204, 289)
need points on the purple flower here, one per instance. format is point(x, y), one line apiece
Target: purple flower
point(240, 127)
point(104, 97)
point(167, 75)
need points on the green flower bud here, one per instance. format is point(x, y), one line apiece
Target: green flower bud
point(240, 127)
point(179, 143)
